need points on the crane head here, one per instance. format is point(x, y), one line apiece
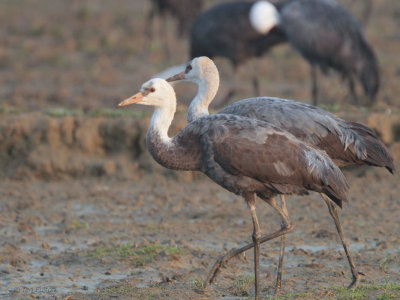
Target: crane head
point(154, 92)
point(196, 69)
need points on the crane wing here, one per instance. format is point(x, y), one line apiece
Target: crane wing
point(344, 142)
point(258, 150)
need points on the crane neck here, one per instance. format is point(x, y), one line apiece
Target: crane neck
point(207, 89)
point(160, 122)
point(168, 152)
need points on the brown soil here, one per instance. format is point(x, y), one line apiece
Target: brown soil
point(69, 236)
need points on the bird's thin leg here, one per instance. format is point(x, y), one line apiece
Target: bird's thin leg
point(256, 85)
point(256, 241)
point(150, 23)
point(352, 90)
point(234, 252)
point(314, 87)
point(335, 216)
point(278, 284)
point(167, 37)
point(366, 13)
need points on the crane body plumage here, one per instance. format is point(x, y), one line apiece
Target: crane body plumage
point(225, 30)
point(246, 156)
point(327, 35)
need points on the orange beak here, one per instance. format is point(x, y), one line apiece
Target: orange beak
point(179, 76)
point(131, 100)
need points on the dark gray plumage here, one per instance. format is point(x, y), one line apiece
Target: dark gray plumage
point(183, 10)
point(245, 156)
point(225, 31)
point(328, 36)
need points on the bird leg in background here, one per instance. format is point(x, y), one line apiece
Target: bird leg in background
point(149, 31)
point(166, 37)
point(162, 32)
point(353, 95)
point(256, 84)
point(314, 85)
point(335, 216)
point(278, 284)
point(251, 201)
point(367, 11)
point(234, 252)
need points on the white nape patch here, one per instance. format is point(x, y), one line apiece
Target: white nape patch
point(283, 169)
point(263, 16)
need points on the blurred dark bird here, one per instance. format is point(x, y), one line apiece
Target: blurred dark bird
point(346, 143)
point(237, 31)
point(329, 37)
point(246, 156)
point(322, 31)
point(184, 11)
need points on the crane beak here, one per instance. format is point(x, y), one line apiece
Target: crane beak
point(131, 100)
point(179, 76)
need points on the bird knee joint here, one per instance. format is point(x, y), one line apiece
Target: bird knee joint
point(256, 236)
point(289, 226)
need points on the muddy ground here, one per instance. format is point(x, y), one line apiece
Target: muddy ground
point(154, 237)
point(86, 214)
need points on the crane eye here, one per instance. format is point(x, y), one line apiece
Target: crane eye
point(152, 90)
point(188, 68)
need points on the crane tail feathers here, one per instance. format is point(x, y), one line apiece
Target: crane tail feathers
point(377, 154)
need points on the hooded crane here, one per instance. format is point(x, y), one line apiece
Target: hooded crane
point(246, 156)
point(322, 31)
point(237, 31)
point(328, 36)
point(184, 11)
point(345, 142)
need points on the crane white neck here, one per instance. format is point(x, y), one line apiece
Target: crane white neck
point(169, 152)
point(207, 89)
point(162, 119)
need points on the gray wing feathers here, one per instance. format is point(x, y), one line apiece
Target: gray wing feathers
point(346, 142)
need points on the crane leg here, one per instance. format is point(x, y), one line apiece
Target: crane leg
point(149, 24)
point(167, 38)
point(278, 284)
point(256, 84)
point(256, 241)
point(352, 90)
point(366, 13)
point(288, 226)
point(314, 87)
point(335, 216)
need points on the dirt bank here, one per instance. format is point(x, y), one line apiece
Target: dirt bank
point(36, 145)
